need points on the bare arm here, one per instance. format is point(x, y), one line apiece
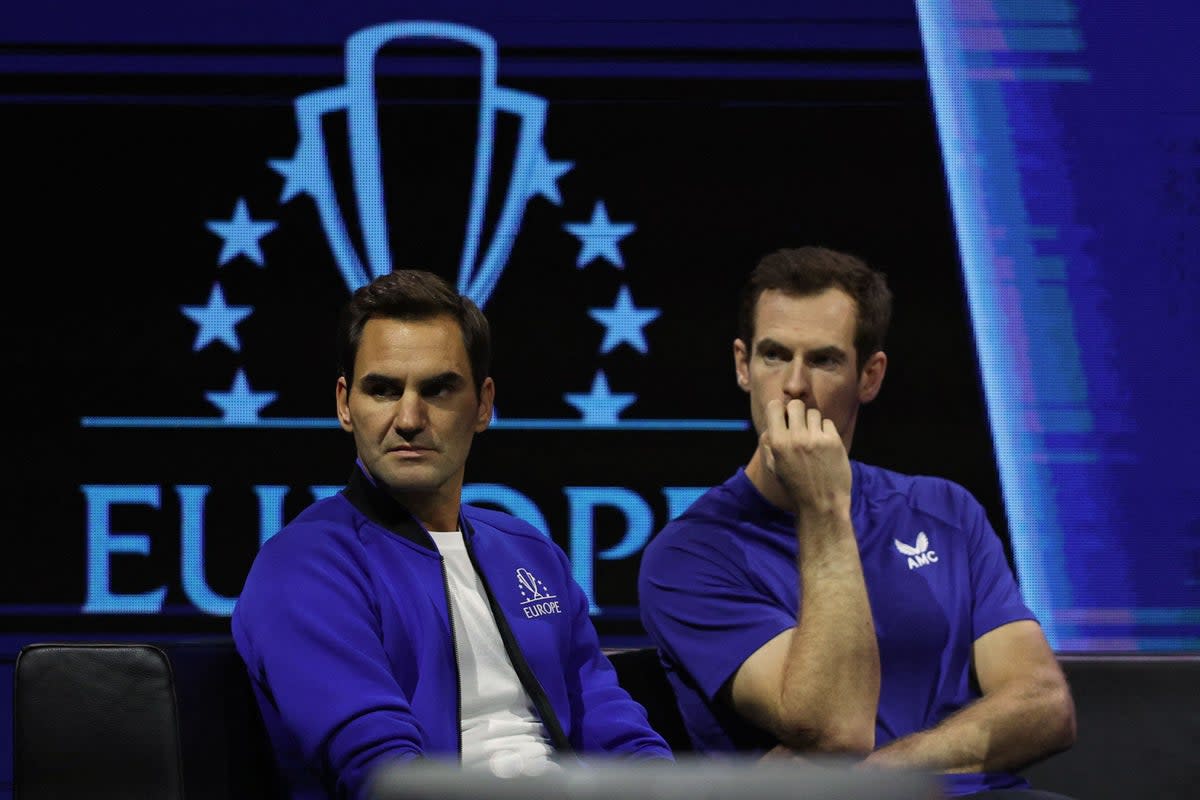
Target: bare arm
point(816, 686)
point(1026, 712)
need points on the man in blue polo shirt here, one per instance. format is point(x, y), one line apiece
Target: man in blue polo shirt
point(813, 604)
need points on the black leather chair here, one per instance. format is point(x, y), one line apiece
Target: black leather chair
point(1139, 724)
point(96, 721)
point(138, 720)
point(226, 752)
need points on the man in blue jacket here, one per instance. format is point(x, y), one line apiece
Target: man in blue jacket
point(815, 604)
point(391, 621)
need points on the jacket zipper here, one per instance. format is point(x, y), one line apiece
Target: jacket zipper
point(541, 702)
point(454, 648)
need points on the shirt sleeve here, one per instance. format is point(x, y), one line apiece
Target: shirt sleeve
point(704, 606)
point(996, 597)
point(310, 635)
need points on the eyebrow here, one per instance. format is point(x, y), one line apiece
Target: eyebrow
point(450, 378)
point(828, 350)
point(763, 344)
point(375, 379)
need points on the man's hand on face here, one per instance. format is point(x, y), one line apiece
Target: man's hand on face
point(804, 451)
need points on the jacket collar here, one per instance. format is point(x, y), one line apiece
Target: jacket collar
point(382, 509)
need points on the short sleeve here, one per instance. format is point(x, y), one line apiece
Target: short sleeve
point(996, 597)
point(703, 604)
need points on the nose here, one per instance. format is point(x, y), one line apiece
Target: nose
point(410, 415)
point(796, 384)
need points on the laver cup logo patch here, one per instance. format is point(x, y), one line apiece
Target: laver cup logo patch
point(536, 599)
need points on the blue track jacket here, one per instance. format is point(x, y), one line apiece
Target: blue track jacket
point(344, 627)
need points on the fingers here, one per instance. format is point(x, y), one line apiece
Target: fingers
point(803, 450)
point(813, 418)
point(776, 429)
point(803, 418)
point(796, 417)
point(776, 421)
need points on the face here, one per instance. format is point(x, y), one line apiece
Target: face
point(804, 349)
point(413, 411)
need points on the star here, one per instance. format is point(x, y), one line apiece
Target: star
point(600, 406)
point(545, 175)
point(297, 171)
point(624, 322)
point(600, 237)
point(240, 405)
point(216, 320)
point(241, 235)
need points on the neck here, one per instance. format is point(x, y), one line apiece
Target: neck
point(436, 510)
point(767, 484)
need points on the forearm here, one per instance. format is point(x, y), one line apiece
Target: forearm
point(1005, 730)
point(830, 692)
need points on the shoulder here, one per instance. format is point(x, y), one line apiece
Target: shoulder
point(320, 554)
point(713, 512)
point(504, 544)
point(502, 522)
point(500, 529)
point(714, 531)
point(328, 530)
point(924, 495)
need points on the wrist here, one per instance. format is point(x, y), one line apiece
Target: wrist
point(833, 513)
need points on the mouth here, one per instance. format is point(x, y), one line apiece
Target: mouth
point(410, 451)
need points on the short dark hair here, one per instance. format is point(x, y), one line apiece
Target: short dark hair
point(413, 294)
point(805, 271)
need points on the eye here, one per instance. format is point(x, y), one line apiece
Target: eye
point(825, 360)
point(773, 355)
point(437, 389)
point(382, 389)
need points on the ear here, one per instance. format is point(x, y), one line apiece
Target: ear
point(487, 397)
point(741, 364)
point(343, 404)
point(871, 378)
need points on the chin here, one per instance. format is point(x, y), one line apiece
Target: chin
point(408, 480)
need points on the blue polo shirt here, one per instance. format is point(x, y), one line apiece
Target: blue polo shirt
point(720, 581)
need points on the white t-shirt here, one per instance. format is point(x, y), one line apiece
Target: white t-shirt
point(500, 728)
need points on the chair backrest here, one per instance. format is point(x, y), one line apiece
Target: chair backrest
point(1138, 719)
point(642, 675)
point(95, 720)
point(226, 752)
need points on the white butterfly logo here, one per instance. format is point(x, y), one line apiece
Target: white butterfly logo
point(913, 549)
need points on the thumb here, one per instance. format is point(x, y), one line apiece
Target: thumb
point(768, 454)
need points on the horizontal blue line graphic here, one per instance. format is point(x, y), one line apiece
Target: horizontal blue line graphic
point(623, 425)
point(514, 424)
